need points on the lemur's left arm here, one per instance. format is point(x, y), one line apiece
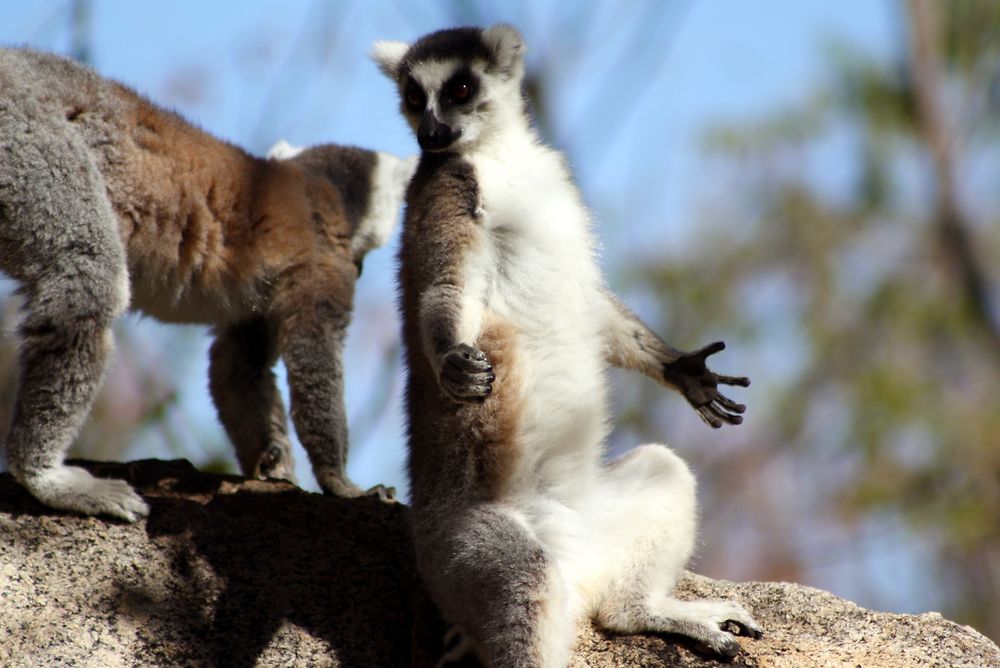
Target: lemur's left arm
point(630, 344)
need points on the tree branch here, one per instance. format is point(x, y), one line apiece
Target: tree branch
point(951, 222)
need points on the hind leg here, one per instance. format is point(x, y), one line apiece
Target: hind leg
point(712, 624)
point(247, 399)
point(59, 239)
point(651, 531)
point(65, 347)
point(509, 601)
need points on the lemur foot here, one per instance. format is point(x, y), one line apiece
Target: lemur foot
point(75, 489)
point(382, 492)
point(346, 489)
point(738, 629)
point(276, 463)
point(466, 373)
point(726, 619)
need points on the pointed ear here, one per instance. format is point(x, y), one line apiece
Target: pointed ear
point(283, 151)
point(388, 55)
point(505, 43)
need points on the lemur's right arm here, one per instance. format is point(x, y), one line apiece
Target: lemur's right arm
point(631, 344)
point(447, 321)
point(450, 313)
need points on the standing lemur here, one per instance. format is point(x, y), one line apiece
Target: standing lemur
point(520, 529)
point(108, 203)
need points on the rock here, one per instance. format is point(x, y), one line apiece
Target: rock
point(234, 572)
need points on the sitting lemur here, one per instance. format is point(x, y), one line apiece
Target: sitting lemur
point(521, 530)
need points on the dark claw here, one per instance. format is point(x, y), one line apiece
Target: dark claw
point(739, 629)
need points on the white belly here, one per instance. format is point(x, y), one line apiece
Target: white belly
point(537, 271)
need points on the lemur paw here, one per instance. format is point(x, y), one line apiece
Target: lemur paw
point(382, 492)
point(276, 463)
point(466, 373)
point(700, 386)
point(748, 628)
point(731, 619)
point(346, 489)
point(75, 489)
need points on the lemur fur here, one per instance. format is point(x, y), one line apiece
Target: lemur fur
point(521, 530)
point(108, 202)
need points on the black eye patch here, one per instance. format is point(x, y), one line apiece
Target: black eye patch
point(414, 96)
point(460, 88)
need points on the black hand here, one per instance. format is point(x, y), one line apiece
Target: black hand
point(466, 373)
point(692, 377)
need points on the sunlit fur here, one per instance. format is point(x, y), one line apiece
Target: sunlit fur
point(108, 202)
point(521, 529)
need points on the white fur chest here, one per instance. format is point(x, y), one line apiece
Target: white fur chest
point(536, 269)
point(538, 262)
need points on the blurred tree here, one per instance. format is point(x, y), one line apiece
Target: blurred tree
point(867, 304)
point(873, 309)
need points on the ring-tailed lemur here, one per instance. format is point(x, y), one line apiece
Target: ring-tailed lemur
point(109, 202)
point(520, 529)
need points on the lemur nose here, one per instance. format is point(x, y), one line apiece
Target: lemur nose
point(432, 135)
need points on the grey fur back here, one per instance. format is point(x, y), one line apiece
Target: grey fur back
point(108, 201)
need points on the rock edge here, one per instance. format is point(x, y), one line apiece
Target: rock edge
point(234, 572)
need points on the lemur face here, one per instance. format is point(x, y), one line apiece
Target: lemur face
point(444, 102)
point(456, 85)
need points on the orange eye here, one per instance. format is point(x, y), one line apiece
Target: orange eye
point(460, 90)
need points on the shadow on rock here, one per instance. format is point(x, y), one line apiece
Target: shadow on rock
point(341, 570)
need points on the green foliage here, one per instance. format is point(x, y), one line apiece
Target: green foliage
point(889, 397)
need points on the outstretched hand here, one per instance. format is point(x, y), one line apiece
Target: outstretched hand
point(692, 378)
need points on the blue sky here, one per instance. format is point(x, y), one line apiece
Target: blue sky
point(632, 114)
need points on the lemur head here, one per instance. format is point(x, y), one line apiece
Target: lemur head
point(372, 187)
point(457, 86)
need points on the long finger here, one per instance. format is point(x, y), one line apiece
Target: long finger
point(724, 415)
point(711, 349)
point(742, 381)
point(730, 405)
point(709, 416)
